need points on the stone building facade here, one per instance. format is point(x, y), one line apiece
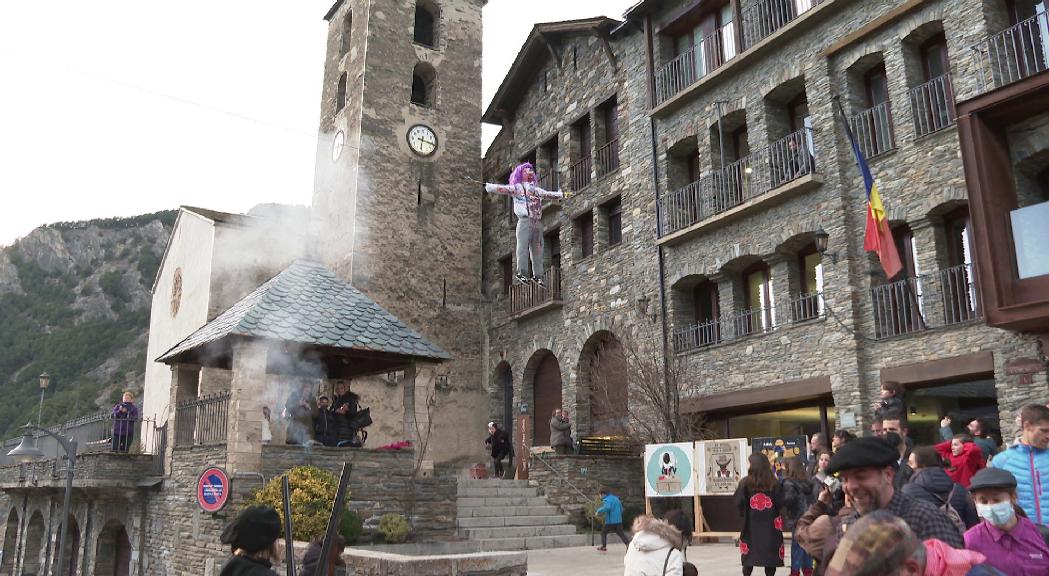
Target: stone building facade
point(732, 163)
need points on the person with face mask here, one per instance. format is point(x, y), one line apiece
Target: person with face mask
point(1009, 540)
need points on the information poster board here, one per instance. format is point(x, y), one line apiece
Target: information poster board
point(669, 470)
point(779, 448)
point(721, 464)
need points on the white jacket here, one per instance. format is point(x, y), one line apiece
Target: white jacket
point(653, 541)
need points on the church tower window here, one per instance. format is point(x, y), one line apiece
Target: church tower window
point(426, 24)
point(340, 94)
point(347, 33)
point(424, 82)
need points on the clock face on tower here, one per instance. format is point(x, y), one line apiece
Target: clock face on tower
point(337, 145)
point(422, 140)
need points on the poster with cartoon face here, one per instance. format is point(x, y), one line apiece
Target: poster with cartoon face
point(778, 449)
point(722, 463)
point(669, 470)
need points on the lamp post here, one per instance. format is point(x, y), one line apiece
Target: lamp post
point(26, 451)
point(45, 381)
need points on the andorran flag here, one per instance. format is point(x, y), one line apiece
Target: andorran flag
point(878, 237)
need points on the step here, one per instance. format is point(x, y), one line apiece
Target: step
point(534, 542)
point(492, 482)
point(497, 521)
point(472, 502)
point(494, 491)
point(516, 532)
point(487, 511)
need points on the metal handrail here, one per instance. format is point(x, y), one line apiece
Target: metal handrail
point(571, 485)
point(1012, 54)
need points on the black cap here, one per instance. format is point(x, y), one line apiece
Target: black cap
point(254, 529)
point(992, 478)
point(864, 453)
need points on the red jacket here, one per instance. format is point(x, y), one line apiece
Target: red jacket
point(964, 465)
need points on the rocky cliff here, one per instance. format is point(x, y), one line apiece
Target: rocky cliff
point(74, 302)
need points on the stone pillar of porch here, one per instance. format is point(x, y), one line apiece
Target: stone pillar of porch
point(244, 414)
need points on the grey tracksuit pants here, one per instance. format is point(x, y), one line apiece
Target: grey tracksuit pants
point(529, 242)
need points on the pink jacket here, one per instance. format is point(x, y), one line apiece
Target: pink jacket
point(942, 560)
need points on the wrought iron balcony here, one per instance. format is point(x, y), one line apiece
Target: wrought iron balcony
point(695, 63)
point(202, 421)
point(873, 130)
point(530, 297)
point(726, 328)
point(942, 298)
point(766, 169)
point(932, 106)
point(762, 19)
point(806, 307)
point(579, 173)
point(1013, 54)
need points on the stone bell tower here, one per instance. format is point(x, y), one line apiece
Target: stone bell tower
point(396, 202)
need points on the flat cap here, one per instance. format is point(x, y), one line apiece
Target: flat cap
point(254, 529)
point(863, 453)
point(992, 478)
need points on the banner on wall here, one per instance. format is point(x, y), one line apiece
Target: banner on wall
point(721, 464)
point(778, 448)
point(669, 470)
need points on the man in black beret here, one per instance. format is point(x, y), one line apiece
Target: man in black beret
point(868, 467)
point(254, 541)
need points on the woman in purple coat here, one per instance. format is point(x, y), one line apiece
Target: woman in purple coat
point(124, 415)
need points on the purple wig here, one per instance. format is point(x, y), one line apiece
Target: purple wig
point(517, 176)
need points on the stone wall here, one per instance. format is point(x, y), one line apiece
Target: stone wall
point(381, 483)
point(623, 476)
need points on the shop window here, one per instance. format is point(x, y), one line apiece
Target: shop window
point(425, 24)
point(424, 79)
point(340, 94)
point(613, 214)
point(584, 234)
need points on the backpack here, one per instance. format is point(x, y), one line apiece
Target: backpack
point(947, 508)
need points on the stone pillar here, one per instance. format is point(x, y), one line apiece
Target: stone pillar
point(779, 272)
point(419, 398)
point(244, 424)
point(185, 382)
point(214, 380)
point(727, 300)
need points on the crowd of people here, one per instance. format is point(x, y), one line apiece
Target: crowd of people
point(336, 421)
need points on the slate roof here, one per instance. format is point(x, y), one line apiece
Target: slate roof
point(307, 304)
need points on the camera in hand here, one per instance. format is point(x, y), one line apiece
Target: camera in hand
point(832, 484)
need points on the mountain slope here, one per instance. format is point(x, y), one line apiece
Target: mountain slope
point(74, 302)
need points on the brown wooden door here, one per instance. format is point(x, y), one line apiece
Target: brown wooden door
point(546, 395)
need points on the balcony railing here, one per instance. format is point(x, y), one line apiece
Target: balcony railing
point(727, 328)
point(763, 18)
point(932, 106)
point(914, 304)
point(579, 173)
point(608, 157)
point(1013, 54)
point(550, 181)
point(873, 130)
point(806, 307)
point(768, 168)
point(527, 296)
point(202, 421)
point(696, 62)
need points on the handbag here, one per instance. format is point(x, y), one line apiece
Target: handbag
point(667, 561)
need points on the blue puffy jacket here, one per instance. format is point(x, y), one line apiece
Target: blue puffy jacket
point(612, 508)
point(1031, 468)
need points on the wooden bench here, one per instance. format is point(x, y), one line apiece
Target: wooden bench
point(608, 446)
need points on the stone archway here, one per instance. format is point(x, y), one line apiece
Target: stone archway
point(34, 545)
point(113, 551)
point(10, 543)
point(72, 549)
point(543, 372)
point(603, 375)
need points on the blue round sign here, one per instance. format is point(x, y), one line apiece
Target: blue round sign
point(213, 489)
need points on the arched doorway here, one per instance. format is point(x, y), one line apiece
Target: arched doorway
point(10, 543)
point(34, 545)
point(604, 374)
point(72, 549)
point(113, 552)
point(546, 393)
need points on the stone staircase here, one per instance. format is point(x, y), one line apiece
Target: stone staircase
point(511, 515)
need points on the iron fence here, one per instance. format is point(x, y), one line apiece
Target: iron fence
point(202, 420)
point(725, 328)
point(608, 157)
point(526, 296)
point(696, 62)
point(806, 307)
point(898, 308)
point(579, 173)
point(1013, 54)
point(762, 19)
point(932, 106)
point(915, 304)
point(958, 292)
point(873, 130)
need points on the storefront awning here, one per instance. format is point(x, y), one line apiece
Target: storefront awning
point(793, 392)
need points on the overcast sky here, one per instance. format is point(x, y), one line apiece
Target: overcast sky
point(122, 107)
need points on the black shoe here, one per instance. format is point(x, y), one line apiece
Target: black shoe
point(522, 279)
point(539, 282)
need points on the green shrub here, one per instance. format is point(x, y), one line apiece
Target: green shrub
point(312, 493)
point(394, 528)
point(351, 525)
point(590, 511)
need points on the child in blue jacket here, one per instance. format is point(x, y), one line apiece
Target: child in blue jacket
point(612, 509)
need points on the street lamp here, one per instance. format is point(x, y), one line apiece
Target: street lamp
point(821, 238)
point(26, 451)
point(45, 381)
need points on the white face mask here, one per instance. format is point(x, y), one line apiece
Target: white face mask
point(998, 514)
